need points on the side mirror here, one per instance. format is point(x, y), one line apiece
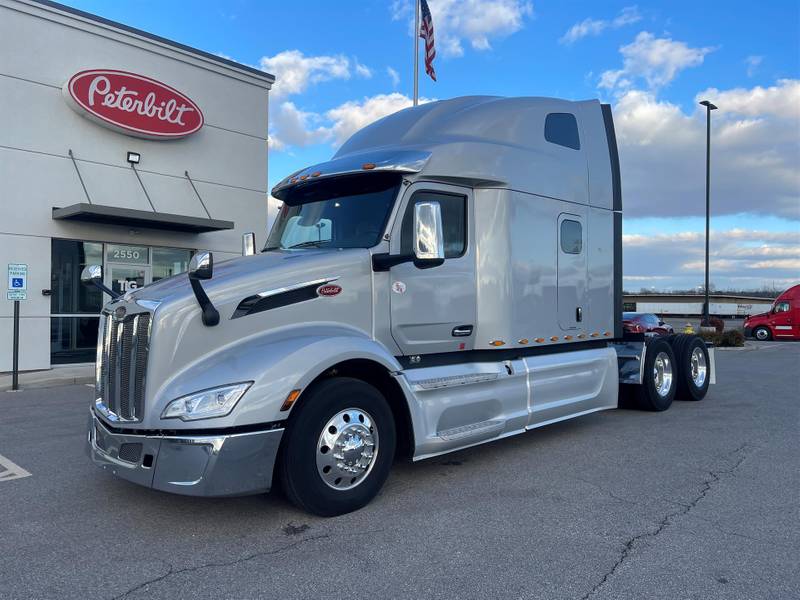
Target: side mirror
point(93, 275)
point(202, 265)
point(428, 236)
point(248, 243)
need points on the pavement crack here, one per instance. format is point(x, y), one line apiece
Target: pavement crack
point(172, 571)
point(629, 546)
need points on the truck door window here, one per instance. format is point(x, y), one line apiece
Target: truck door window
point(454, 222)
point(782, 307)
point(571, 236)
point(562, 129)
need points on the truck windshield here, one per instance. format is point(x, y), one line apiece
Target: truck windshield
point(343, 212)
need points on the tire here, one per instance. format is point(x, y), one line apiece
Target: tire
point(338, 410)
point(693, 367)
point(657, 391)
point(762, 334)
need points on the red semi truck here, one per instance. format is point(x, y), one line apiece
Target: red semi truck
point(782, 322)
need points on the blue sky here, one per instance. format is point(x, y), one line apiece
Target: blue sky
point(652, 61)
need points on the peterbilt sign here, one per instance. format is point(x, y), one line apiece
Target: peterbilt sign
point(133, 104)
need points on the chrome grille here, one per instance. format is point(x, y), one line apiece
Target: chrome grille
point(122, 366)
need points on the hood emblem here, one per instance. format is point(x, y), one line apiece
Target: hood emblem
point(120, 312)
point(330, 289)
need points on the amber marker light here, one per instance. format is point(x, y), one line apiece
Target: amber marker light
point(581, 336)
point(368, 166)
point(554, 338)
point(290, 399)
point(539, 340)
point(497, 343)
point(607, 334)
point(303, 177)
point(523, 341)
point(567, 337)
point(595, 334)
point(316, 173)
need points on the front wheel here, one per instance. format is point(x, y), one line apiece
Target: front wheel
point(338, 447)
point(762, 334)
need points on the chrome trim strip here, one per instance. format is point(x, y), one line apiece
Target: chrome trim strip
point(297, 286)
point(452, 380)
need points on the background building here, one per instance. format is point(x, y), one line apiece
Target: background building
point(691, 305)
point(70, 196)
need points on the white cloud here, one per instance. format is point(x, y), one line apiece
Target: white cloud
point(363, 71)
point(657, 61)
point(752, 63)
point(293, 127)
point(351, 116)
point(739, 258)
point(587, 27)
point(476, 22)
point(755, 154)
point(294, 71)
point(394, 76)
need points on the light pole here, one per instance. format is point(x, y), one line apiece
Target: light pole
point(709, 107)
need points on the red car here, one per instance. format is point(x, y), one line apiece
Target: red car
point(781, 322)
point(634, 322)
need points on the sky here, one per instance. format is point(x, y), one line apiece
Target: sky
point(341, 65)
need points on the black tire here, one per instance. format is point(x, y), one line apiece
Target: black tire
point(762, 334)
point(691, 370)
point(301, 479)
point(647, 394)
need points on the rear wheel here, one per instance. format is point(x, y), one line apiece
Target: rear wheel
point(693, 367)
point(657, 389)
point(338, 447)
point(762, 334)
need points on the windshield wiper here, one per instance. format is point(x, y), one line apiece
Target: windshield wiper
point(316, 243)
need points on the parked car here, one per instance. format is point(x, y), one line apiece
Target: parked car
point(781, 322)
point(634, 322)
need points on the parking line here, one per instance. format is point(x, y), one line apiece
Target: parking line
point(10, 470)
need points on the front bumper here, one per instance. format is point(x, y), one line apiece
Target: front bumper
point(194, 465)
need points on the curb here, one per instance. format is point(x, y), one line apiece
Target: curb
point(47, 383)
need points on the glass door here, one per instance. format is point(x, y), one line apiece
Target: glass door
point(126, 278)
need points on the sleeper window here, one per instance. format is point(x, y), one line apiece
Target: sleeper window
point(562, 129)
point(454, 223)
point(571, 236)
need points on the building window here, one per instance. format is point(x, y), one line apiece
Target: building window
point(571, 236)
point(562, 129)
point(170, 261)
point(454, 223)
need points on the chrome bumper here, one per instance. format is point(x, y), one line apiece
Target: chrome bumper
point(200, 465)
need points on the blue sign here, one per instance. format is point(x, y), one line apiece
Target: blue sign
point(17, 282)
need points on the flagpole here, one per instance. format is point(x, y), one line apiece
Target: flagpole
point(416, 52)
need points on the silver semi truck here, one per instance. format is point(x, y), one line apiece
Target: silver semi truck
point(452, 276)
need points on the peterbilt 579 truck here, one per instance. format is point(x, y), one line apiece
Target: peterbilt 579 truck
point(452, 276)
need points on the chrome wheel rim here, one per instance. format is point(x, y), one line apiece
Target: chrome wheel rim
point(662, 374)
point(761, 334)
point(698, 367)
point(347, 449)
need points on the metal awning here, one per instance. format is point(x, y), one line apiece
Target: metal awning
point(112, 215)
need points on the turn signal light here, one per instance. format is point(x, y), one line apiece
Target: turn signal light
point(290, 399)
point(368, 166)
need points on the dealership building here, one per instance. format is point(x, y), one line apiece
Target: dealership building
point(120, 148)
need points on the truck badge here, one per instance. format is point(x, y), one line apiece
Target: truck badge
point(329, 289)
point(398, 287)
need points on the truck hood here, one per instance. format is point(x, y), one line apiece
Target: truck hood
point(252, 274)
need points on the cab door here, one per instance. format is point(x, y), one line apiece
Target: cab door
point(571, 291)
point(434, 309)
point(782, 319)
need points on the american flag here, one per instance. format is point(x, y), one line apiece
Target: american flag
point(426, 33)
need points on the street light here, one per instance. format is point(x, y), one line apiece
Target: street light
point(709, 107)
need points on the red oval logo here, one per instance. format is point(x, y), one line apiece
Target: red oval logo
point(329, 289)
point(133, 104)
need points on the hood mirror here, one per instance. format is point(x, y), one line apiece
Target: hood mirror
point(248, 244)
point(202, 265)
point(428, 236)
point(93, 275)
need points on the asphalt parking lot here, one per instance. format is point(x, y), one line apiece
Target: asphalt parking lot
point(698, 502)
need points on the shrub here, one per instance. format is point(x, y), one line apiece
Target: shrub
point(714, 322)
point(731, 338)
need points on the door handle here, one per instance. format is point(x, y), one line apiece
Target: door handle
point(462, 330)
point(579, 314)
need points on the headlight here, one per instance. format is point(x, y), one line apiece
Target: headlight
point(207, 404)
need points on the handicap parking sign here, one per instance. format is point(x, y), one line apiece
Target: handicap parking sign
point(17, 277)
point(17, 282)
